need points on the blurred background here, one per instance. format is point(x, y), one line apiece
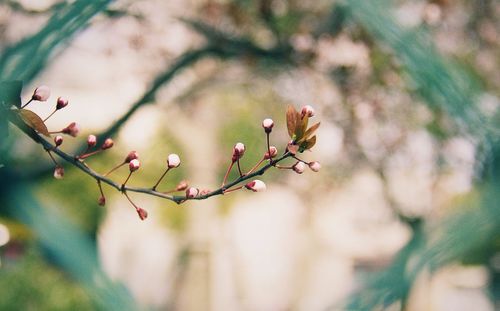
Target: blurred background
point(403, 214)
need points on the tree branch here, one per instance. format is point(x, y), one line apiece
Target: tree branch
point(80, 164)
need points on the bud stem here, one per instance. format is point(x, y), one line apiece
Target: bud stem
point(233, 189)
point(281, 167)
point(131, 202)
point(239, 168)
point(125, 182)
point(269, 148)
point(52, 157)
point(27, 103)
point(256, 166)
point(115, 168)
point(50, 115)
point(86, 155)
point(227, 173)
point(300, 160)
point(159, 180)
point(100, 187)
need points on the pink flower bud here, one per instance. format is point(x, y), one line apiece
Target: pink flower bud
point(108, 143)
point(102, 201)
point(173, 160)
point(274, 153)
point(314, 166)
point(58, 140)
point(143, 214)
point(238, 151)
point(61, 103)
point(256, 185)
point(307, 110)
point(268, 124)
point(134, 165)
point(192, 192)
point(72, 129)
point(299, 167)
point(183, 185)
point(132, 155)
point(91, 141)
point(59, 172)
point(205, 191)
point(41, 93)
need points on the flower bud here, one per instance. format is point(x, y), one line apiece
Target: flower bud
point(274, 153)
point(238, 151)
point(205, 191)
point(91, 141)
point(268, 124)
point(58, 140)
point(182, 186)
point(134, 165)
point(61, 103)
point(101, 201)
point(132, 155)
point(72, 129)
point(143, 214)
point(173, 160)
point(256, 185)
point(307, 110)
point(299, 167)
point(314, 166)
point(108, 143)
point(192, 192)
point(59, 172)
point(41, 93)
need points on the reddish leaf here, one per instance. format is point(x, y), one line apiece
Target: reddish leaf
point(34, 121)
point(311, 130)
point(310, 142)
point(290, 120)
point(301, 126)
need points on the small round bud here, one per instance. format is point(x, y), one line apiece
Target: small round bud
point(101, 201)
point(108, 143)
point(268, 124)
point(134, 165)
point(59, 172)
point(132, 155)
point(173, 160)
point(274, 153)
point(256, 185)
point(72, 129)
point(41, 93)
point(143, 214)
point(307, 110)
point(183, 185)
point(314, 166)
point(58, 140)
point(205, 191)
point(192, 192)
point(61, 103)
point(91, 141)
point(238, 151)
point(299, 167)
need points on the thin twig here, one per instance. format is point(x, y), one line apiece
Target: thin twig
point(124, 188)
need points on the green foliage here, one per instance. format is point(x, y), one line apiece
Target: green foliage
point(29, 283)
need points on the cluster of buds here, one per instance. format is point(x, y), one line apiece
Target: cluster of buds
point(302, 139)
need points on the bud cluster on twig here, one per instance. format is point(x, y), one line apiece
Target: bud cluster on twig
point(301, 139)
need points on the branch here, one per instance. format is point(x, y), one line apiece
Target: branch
point(80, 164)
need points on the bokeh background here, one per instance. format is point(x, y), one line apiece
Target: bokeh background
point(403, 215)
